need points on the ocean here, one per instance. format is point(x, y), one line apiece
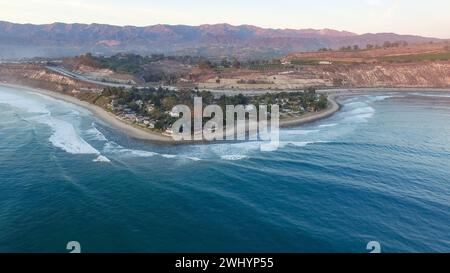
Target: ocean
point(378, 170)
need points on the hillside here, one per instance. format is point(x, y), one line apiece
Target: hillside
point(217, 41)
point(425, 65)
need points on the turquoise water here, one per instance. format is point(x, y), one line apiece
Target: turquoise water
point(376, 171)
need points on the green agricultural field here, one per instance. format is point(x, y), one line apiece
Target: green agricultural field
point(444, 56)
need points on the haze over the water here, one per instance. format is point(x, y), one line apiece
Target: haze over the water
point(426, 18)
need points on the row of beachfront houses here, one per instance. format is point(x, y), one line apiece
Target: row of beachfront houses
point(131, 116)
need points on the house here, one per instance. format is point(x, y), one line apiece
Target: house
point(139, 120)
point(131, 117)
point(139, 103)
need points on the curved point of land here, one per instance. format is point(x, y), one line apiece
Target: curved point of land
point(332, 108)
point(143, 134)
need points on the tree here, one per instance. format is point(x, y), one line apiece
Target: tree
point(133, 106)
point(387, 44)
point(225, 63)
point(323, 102)
point(159, 125)
point(168, 103)
point(310, 90)
point(346, 48)
point(207, 97)
point(205, 64)
point(236, 63)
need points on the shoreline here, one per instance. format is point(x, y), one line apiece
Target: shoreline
point(333, 107)
point(363, 90)
point(146, 135)
point(142, 134)
point(100, 113)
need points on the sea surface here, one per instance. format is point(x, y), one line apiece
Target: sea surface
point(378, 170)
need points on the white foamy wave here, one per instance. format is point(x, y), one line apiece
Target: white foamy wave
point(432, 95)
point(362, 110)
point(358, 109)
point(101, 158)
point(328, 125)
point(63, 136)
point(359, 118)
point(299, 132)
point(362, 114)
point(72, 108)
point(23, 103)
point(66, 138)
point(348, 100)
point(193, 158)
point(355, 104)
point(141, 153)
point(300, 143)
point(168, 156)
point(234, 157)
point(270, 146)
point(114, 148)
point(96, 134)
point(380, 98)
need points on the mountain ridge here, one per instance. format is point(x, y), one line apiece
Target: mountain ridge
point(210, 40)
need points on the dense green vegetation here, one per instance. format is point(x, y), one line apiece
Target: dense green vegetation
point(305, 61)
point(155, 104)
point(150, 68)
point(155, 68)
point(417, 57)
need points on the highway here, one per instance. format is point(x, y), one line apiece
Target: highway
point(82, 78)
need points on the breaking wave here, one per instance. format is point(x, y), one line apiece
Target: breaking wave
point(72, 139)
point(64, 135)
point(234, 157)
point(101, 158)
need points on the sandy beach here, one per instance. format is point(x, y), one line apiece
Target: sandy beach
point(144, 134)
point(332, 108)
point(107, 117)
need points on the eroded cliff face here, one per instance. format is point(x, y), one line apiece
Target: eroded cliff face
point(37, 76)
point(359, 75)
point(429, 74)
point(423, 74)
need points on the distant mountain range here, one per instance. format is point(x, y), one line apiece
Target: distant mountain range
point(220, 40)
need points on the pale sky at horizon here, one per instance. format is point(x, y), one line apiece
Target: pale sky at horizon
point(426, 18)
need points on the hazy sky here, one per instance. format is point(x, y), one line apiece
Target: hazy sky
point(430, 18)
